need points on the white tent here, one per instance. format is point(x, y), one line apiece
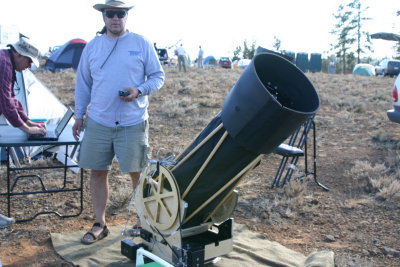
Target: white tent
point(9, 34)
point(38, 102)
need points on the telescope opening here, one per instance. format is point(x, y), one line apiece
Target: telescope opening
point(286, 83)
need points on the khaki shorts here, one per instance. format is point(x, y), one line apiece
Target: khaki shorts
point(100, 144)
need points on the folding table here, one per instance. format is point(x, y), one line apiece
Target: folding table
point(17, 139)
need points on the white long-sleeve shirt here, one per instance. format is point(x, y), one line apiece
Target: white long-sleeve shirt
point(108, 65)
point(181, 51)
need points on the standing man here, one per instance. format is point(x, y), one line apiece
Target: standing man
point(181, 57)
point(200, 58)
point(116, 73)
point(19, 57)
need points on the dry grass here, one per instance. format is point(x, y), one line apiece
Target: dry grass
point(190, 100)
point(376, 180)
point(295, 189)
point(358, 159)
point(119, 199)
point(61, 84)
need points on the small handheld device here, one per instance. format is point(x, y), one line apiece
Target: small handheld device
point(123, 93)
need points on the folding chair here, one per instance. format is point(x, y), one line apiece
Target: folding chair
point(295, 148)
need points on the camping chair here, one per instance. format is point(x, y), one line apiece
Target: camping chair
point(295, 148)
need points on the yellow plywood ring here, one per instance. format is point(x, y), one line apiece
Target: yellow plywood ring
point(159, 199)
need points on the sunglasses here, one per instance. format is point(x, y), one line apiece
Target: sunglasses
point(111, 13)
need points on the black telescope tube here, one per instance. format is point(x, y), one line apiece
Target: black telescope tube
point(271, 99)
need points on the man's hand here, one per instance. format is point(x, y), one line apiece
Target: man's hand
point(35, 124)
point(33, 128)
point(36, 130)
point(77, 129)
point(133, 94)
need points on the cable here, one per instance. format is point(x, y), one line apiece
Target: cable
point(162, 236)
point(112, 50)
point(166, 161)
point(126, 137)
point(117, 111)
point(124, 232)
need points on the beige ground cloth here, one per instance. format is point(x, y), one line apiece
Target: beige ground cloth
point(250, 249)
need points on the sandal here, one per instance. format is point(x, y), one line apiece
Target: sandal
point(135, 230)
point(104, 232)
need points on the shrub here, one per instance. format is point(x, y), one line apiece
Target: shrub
point(376, 180)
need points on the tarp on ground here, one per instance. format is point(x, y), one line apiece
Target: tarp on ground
point(364, 70)
point(249, 249)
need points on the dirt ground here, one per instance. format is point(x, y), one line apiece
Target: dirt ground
point(361, 228)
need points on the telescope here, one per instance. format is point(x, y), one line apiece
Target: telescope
point(185, 203)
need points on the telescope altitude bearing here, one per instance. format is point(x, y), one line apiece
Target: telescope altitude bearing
point(159, 198)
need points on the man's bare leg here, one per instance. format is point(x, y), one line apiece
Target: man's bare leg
point(99, 192)
point(135, 179)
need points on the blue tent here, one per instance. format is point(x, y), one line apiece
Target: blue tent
point(210, 61)
point(67, 56)
point(364, 70)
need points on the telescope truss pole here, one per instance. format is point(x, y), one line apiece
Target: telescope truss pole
point(238, 177)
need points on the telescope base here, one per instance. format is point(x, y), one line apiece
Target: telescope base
point(195, 250)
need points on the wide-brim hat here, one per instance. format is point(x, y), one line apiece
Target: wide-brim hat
point(26, 49)
point(112, 4)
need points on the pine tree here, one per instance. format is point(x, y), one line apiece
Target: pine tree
point(363, 38)
point(277, 44)
point(236, 53)
point(397, 47)
point(343, 30)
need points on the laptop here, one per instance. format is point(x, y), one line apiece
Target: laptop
point(53, 134)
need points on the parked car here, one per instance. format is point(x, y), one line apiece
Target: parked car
point(243, 63)
point(388, 67)
point(163, 55)
point(394, 114)
point(225, 62)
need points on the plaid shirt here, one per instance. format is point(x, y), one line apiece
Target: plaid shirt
point(10, 107)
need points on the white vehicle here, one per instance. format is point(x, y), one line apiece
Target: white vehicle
point(394, 114)
point(388, 67)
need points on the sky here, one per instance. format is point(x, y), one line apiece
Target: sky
point(219, 26)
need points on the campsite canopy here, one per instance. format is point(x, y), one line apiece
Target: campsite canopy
point(364, 70)
point(67, 56)
point(386, 36)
